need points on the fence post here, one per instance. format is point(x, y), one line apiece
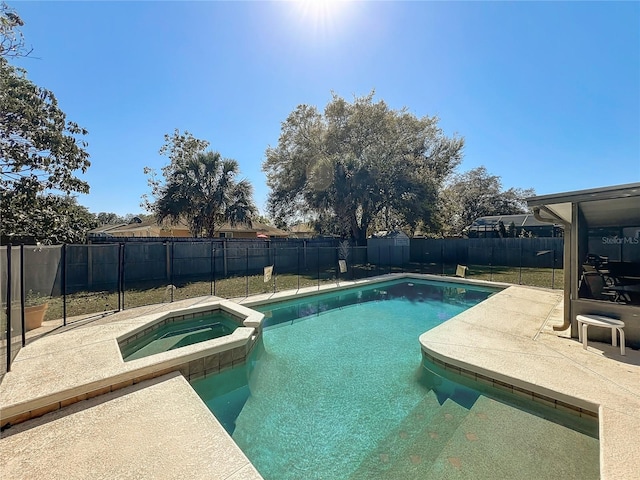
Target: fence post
point(318, 248)
point(298, 261)
point(553, 269)
point(224, 258)
point(520, 275)
point(8, 337)
point(22, 296)
point(64, 284)
point(402, 259)
point(171, 273)
point(304, 255)
point(120, 277)
point(214, 271)
point(167, 261)
point(89, 267)
point(275, 255)
point(491, 265)
point(246, 271)
point(353, 256)
point(211, 267)
point(442, 256)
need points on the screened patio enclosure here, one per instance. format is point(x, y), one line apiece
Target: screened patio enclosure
point(602, 254)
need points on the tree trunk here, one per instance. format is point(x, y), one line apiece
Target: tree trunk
point(359, 233)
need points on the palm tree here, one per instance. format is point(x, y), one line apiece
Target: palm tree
point(204, 191)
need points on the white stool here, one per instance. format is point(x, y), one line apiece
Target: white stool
point(600, 321)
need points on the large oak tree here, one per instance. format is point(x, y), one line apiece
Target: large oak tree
point(357, 163)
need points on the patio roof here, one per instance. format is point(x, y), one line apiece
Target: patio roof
point(615, 205)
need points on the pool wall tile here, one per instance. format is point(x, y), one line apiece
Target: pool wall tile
point(565, 407)
point(544, 400)
point(587, 413)
point(212, 364)
point(38, 412)
point(254, 341)
point(521, 392)
point(226, 359)
point(100, 391)
point(225, 367)
point(184, 370)
point(118, 386)
point(238, 353)
point(14, 420)
point(482, 379)
point(452, 368)
point(468, 374)
point(196, 367)
point(73, 400)
point(504, 386)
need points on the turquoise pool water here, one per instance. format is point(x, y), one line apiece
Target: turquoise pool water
point(338, 390)
point(180, 334)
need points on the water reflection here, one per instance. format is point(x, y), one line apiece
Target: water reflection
point(412, 291)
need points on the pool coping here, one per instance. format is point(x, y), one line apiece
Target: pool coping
point(601, 368)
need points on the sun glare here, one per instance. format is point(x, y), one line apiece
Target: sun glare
point(322, 15)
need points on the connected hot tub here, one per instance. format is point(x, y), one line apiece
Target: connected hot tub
point(178, 331)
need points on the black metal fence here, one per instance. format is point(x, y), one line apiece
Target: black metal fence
point(83, 282)
point(12, 327)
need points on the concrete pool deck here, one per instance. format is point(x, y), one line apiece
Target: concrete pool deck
point(509, 338)
point(159, 428)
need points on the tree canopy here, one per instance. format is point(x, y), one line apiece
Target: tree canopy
point(45, 218)
point(199, 187)
point(109, 218)
point(11, 38)
point(358, 163)
point(178, 148)
point(475, 194)
point(40, 150)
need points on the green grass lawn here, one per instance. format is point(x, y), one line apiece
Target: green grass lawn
point(84, 303)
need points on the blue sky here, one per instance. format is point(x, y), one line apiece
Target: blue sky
point(546, 94)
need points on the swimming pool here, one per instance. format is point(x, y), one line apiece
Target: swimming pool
point(337, 389)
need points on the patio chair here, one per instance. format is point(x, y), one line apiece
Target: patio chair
point(593, 285)
point(601, 265)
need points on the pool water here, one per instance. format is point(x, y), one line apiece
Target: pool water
point(180, 334)
point(337, 389)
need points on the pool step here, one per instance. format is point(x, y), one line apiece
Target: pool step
point(498, 441)
point(408, 451)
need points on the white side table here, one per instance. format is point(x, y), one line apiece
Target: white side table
point(601, 321)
